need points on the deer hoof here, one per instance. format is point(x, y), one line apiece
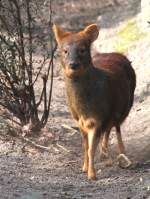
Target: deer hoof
point(123, 161)
point(92, 175)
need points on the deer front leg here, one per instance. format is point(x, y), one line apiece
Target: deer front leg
point(86, 159)
point(93, 140)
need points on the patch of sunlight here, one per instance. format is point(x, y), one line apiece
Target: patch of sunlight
point(128, 36)
point(32, 195)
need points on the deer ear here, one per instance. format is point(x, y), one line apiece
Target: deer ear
point(92, 32)
point(59, 33)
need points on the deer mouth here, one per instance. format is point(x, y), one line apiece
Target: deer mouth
point(72, 73)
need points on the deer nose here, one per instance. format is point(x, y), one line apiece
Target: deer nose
point(74, 66)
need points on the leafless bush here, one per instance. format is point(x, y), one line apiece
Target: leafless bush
point(24, 34)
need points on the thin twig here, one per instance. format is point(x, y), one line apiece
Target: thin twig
point(12, 120)
point(72, 128)
point(50, 67)
point(43, 147)
point(20, 29)
point(35, 144)
point(40, 69)
point(63, 148)
point(29, 69)
point(41, 97)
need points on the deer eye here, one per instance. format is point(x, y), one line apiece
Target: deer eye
point(65, 51)
point(82, 51)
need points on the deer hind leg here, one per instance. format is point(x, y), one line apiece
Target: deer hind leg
point(104, 144)
point(123, 160)
point(104, 151)
point(93, 140)
point(120, 141)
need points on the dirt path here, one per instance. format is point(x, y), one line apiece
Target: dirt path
point(32, 174)
point(44, 175)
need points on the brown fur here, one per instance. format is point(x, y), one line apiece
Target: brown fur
point(100, 90)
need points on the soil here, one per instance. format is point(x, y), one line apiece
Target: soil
point(27, 172)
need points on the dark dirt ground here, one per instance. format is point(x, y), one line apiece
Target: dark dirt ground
point(29, 173)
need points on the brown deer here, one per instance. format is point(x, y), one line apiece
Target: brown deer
point(100, 90)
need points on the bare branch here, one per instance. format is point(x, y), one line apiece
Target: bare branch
point(30, 41)
point(20, 44)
